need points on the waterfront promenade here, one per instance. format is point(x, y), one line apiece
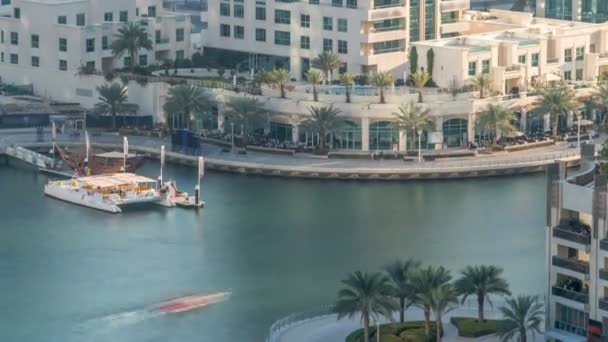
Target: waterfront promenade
point(311, 166)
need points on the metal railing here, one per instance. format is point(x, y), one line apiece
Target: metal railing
point(569, 294)
point(567, 234)
point(573, 265)
point(297, 318)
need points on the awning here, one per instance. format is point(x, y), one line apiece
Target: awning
point(564, 336)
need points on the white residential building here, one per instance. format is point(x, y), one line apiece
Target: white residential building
point(368, 35)
point(577, 252)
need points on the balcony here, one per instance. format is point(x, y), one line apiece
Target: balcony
point(386, 13)
point(454, 5)
point(603, 273)
point(573, 231)
point(603, 304)
point(580, 297)
point(604, 244)
point(570, 264)
point(383, 35)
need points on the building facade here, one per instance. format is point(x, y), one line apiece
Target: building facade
point(593, 11)
point(368, 35)
point(577, 252)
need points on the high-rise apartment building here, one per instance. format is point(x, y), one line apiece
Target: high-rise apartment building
point(594, 11)
point(368, 35)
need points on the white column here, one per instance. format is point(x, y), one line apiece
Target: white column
point(570, 118)
point(439, 128)
point(523, 121)
point(295, 133)
point(365, 134)
point(547, 122)
point(471, 127)
point(402, 140)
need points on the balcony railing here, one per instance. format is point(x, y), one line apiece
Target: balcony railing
point(569, 294)
point(567, 232)
point(603, 304)
point(573, 265)
point(514, 67)
point(164, 40)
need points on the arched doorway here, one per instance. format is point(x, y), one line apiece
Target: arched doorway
point(348, 137)
point(383, 135)
point(455, 132)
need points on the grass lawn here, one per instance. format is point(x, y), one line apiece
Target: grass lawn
point(395, 332)
point(472, 327)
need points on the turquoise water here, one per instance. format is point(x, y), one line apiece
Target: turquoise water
point(69, 273)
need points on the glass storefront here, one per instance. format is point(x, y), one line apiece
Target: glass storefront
point(382, 136)
point(455, 132)
point(571, 320)
point(348, 138)
point(281, 132)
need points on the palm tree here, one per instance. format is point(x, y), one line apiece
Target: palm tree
point(411, 117)
point(424, 282)
point(496, 118)
point(246, 112)
point(347, 80)
point(600, 97)
point(280, 78)
point(315, 77)
point(481, 281)
point(557, 100)
point(481, 82)
point(443, 300)
point(327, 61)
point(113, 98)
point(420, 79)
point(520, 315)
point(323, 120)
point(381, 80)
point(399, 272)
point(186, 100)
point(365, 293)
point(131, 37)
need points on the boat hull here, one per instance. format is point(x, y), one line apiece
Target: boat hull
point(80, 197)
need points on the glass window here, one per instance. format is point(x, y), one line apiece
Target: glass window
point(342, 46)
point(342, 25)
point(108, 16)
point(179, 55)
point(313, 2)
point(14, 38)
point(239, 11)
point(521, 59)
point(337, 3)
point(260, 35)
point(282, 17)
point(35, 61)
point(151, 12)
point(485, 66)
point(35, 41)
point(224, 9)
point(328, 23)
point(63, 64)
point(14, 58)
point(328, 44)
point(6, 2)
point(17, 12)
point(568, 75)
point(239, 32)
point(126, 61)
point(157, 36)
point(305, 20)
point(91, 45)
point(579, 74)
point(224, 30)
point(282, 38)
point(62, 19)
point(388, 46)
point(80, 19)
point(472, 68)
point(90, 65)
point(123, 16)
point(63, 44)
point(568, 55)
point(580, 53)
point(260, 13)
point(305, 42)
point(104, 43)
point(179, 35)
point(351, 3)
point(592, 48)
point(143, 60)
point(535, 59)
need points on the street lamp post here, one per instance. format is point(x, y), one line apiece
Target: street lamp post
point(232, 137)
point(578, 133)
point(419, 146)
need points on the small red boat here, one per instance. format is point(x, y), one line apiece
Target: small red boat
point(188, 303)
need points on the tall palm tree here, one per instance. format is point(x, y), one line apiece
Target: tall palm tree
point(420, 79)
point(246, 112)
point(424, 282)
point(495, 118)
point(381, 80)
point(315, 77)
point(481, 82)
point(327, 61)
point(600, 98)
point(481, 281)
point(411, 117)
point(443, 300)
point(521, 315)
point(399, 272)
point(557, 100)
point(365, 293)
point(131, 37)
point(186, 100)
point(347, 79)
point(323, 120)
point(279, 78)
point(113, 98)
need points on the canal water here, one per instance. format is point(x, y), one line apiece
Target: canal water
point(69, 273)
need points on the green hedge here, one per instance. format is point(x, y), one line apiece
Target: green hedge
point(472, 327)
point(396, 332)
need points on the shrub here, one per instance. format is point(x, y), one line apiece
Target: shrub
point(472, 327)
point(396, 332)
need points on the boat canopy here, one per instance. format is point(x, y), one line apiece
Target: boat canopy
point(114, 180)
